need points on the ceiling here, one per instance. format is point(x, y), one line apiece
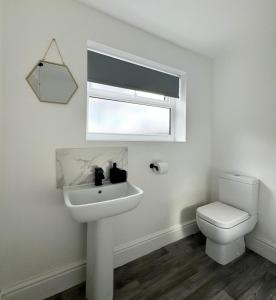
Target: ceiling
point(205, 26)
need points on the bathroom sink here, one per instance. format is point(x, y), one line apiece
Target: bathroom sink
point(87, 204)
point(96, 205)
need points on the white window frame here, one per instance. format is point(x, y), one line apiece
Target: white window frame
point(177, 106)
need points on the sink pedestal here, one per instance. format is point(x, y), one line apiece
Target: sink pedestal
point(96, 206)
point(99, 266)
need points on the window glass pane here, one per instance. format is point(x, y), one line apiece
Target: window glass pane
point(107, 116)
point(110, 88)
point(150, 95)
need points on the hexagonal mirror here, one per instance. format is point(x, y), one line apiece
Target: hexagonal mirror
point(52, 82)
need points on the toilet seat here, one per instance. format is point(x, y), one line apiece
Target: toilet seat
point(222, 215)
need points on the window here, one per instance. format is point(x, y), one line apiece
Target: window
point(130, 101)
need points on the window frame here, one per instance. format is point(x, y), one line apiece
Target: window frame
point(116, 96)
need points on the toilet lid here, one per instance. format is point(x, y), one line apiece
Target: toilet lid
point(222, 215)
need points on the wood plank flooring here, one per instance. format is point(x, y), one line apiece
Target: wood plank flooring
point(183, 271)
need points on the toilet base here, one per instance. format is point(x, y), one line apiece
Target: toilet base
point(224, 254)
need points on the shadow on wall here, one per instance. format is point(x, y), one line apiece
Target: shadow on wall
point(266, 199)
point(189, 213)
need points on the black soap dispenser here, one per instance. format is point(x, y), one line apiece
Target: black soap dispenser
point(117, 175)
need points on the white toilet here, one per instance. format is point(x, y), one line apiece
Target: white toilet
point(227, 221)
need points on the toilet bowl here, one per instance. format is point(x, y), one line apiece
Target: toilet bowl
point(225, 243)
point(227, 221)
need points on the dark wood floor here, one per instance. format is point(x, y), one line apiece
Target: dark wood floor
point(183, 271)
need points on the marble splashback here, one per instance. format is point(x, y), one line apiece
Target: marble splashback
point(76, 166)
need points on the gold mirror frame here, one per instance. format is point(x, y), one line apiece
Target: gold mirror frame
point(54, 92)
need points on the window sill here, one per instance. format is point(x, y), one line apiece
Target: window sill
point(131, 138)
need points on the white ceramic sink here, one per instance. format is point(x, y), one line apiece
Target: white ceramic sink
point(87, 204)
point(96, 205)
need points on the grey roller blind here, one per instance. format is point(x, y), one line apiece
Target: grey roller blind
point(112, 71)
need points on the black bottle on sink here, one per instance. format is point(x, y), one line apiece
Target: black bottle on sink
point(117, 175)
point(99, 176)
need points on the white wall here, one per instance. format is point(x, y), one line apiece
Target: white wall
point(38, 233)
point(244, 127)
point(1, 83)
point(1, 98)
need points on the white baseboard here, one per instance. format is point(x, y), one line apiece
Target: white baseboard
point(47, 285)
point(261, 246)
point(129, 251)
point(54, 282)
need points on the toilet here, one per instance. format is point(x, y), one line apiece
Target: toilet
point(227, 221)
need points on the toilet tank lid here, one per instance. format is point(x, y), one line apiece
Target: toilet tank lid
point(240, 178)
